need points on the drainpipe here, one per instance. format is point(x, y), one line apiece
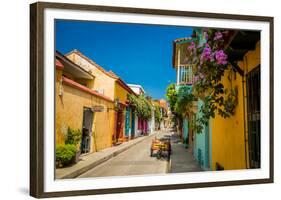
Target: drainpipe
point(244, 110)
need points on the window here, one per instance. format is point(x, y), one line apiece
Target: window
point(253, 93)
point(185, 74)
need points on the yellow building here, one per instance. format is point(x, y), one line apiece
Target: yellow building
point(78, 106)
point(235, 141)
point(109, 84)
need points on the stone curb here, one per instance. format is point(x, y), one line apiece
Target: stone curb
point(84, 169)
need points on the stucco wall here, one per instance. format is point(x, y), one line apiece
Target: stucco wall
point(120, 93)
point(201, 142)
point(102, 81)
point(228, 138)
point(137, 131)
point(69, 113)
point(228, 147)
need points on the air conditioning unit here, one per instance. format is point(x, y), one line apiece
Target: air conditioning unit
point(100, 91)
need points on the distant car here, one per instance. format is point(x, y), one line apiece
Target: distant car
point(160, 146)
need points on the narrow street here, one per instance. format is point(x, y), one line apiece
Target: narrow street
point(134, 161)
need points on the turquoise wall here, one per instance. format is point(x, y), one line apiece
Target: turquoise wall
point(201, 143)
point(201, 147)
point(185, 130)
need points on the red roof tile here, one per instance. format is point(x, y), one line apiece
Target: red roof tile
point(59, 65)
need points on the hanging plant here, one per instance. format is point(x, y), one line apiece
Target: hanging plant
point(209, 62)
point(158, 115)
point(142, 106)
point(184, 101)
point(172, 96)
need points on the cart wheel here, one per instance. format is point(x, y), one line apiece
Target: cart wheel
point(159, 154)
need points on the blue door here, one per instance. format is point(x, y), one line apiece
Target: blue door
point(127, 122)
point(133, 125)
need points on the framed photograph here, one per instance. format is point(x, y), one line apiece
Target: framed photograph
point(130, 99)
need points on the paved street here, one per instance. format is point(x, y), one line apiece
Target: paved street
point(134, 161)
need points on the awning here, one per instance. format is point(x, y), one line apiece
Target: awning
point(72, 68)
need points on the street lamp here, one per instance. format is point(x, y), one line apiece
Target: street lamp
point(116, 105)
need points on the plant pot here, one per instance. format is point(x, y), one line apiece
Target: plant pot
point(59, 164)
point(77, 155)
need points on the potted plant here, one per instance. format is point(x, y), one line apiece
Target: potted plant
point(65, 154)
point(74, 137)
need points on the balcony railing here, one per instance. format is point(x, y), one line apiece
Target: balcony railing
point(185, 75)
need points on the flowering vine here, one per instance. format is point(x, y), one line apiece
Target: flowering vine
point(209, 62)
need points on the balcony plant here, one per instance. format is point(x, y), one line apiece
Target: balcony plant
point(210, 62)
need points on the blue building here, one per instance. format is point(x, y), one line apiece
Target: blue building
point(198, 143)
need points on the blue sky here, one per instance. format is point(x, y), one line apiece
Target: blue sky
point(137, 53)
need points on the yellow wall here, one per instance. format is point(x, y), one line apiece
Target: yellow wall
point(228, 135)
point(120, 93)
point(251, 59)
point(69, 113)
point(102, 80)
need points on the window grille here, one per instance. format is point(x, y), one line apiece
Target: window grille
point(185, 74)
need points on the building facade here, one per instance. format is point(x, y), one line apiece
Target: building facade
point(239, 135)
point(197, 143)
point(234, 142)
point(143, 127)
point(76, 107)
point(112, 86)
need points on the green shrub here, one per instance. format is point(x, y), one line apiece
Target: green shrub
point(73, 137)
point(158, 115)
point(142, 105)
point(65, 154)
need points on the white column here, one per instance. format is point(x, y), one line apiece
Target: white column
point(178, 68)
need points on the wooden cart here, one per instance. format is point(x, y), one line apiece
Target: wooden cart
point(161, 146)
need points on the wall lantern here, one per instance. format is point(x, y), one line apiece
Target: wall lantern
point(116, 105)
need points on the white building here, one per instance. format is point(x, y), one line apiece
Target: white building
point(138, 89)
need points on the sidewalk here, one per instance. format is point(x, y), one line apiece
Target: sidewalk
point(181, 159)
point(92, 160)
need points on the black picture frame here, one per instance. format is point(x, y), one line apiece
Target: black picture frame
point(37, 98)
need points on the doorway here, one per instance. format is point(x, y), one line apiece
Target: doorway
point(119, 126)
point(87, 130)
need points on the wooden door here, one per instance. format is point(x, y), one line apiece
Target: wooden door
point(119, 126)
point(253, 105)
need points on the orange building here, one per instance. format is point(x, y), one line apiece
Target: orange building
point(79, 107)
point(109, 84)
